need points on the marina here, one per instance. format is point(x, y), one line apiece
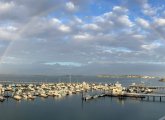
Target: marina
point(30, 90)
point(55, 97)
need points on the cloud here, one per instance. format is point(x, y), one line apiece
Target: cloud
point(22, 10)
point(119, 9)
point(70, 6)
point(84, 36)
point(91, 27)
point(151, 46)
point(143, 23)
point(8, 32)
point(64, 28)
point(5, 7)
point(160, 22)
point(61, 33)
point(148, 10)
point(117, 18)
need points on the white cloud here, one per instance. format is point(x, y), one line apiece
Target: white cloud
point(124, 20)
point(70, 6)
point(143, 23)
point(139, 37)
point(77, 19)
point(6, 6)
point(119, 9)
point(118, 17)
point(148, 10)
point(8, 28)
point(160, 21)
point(55, 21)
point(83, 36)
point(64, 28)
point(91, 27)
point(8, 32)
point(11, 28)
point(151, 46)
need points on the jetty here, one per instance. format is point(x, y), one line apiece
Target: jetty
point(141, 96)
point(140, 92)
point(145, 87)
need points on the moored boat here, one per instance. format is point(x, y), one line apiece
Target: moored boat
point(17, 97)
point(2, 98)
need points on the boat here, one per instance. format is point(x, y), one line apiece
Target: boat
point(31, 97)
point(50, 93)
point(17, 97)
point(24, 96)
point(57, 94)
point(88, 97)
point(43, 95)
point(95, 96)
point(2, 98)
point(147, 90)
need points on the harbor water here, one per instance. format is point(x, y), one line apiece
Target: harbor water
point(73, 108)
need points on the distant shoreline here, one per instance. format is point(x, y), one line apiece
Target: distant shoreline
point(126, 76)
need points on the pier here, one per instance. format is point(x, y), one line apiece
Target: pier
point(141, 96)
point(149, 87)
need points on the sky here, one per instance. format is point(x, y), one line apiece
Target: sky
point(82, 37)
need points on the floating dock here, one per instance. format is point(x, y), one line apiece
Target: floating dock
point(141, 96)
point(145, 87)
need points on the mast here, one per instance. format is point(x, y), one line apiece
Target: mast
point(70, 78)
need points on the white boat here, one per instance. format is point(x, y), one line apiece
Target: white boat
point(56, 94)
point(43, 95)
point(50, 93)
point(17, 97)
point(31, 97)
point(88, 97)
point(95, 96)
point(24, 96)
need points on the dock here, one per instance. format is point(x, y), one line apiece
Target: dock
point(149, 87)
point(141, 96)
point(30, 90)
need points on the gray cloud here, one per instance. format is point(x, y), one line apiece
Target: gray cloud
point(33, 33)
